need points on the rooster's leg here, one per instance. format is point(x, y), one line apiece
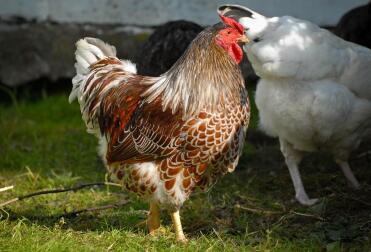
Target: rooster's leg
point(293, 158)
point(153, 221)
point(344, 165)
point(180, 237)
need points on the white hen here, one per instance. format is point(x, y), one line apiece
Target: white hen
point(315, 89)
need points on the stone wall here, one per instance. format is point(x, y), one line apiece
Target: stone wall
point(42, 44)
point(30, 51)
point(155, 12)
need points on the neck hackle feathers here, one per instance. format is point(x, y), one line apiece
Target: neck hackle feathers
point(202, 78)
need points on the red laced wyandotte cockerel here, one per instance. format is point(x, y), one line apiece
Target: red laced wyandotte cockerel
point(163, 137)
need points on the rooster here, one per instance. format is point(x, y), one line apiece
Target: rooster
point(163, 137)
point(315, 89)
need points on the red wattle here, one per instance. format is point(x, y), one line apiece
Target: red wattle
point(236, 53)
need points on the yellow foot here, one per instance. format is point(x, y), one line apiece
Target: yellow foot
point(180, 237)
point(157, 232)
point(153, 221)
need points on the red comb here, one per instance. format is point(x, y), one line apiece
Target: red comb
point(231, 22)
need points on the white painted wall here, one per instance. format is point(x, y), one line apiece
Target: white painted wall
point(154, 12)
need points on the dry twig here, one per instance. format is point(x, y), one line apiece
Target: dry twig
point(355, 199)
point(257, 211)
point(268, 212)
point(93, 209)
point(75, 188)
point(6, 188)
point(308, 215)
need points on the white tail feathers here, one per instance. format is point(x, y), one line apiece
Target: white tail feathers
point(88, 51)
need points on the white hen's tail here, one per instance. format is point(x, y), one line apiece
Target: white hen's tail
point(88, 51)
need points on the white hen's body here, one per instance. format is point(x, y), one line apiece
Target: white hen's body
point(314, 93)
point(313, 116)
point(315, 88)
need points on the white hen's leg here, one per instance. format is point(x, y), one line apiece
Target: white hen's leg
point(344, 165)
point(293, 158)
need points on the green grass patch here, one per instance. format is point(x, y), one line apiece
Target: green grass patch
point(44, 145)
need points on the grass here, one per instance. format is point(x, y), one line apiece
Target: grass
point(44, 145)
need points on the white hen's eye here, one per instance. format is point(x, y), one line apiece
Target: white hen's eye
point(256, 40)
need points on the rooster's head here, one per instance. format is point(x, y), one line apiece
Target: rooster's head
point(229, 37)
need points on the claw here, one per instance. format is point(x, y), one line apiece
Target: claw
point(305, 200)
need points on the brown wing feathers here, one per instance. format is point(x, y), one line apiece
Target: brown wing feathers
point(150, 134)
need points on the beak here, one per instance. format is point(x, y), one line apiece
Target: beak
point(243, 39)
